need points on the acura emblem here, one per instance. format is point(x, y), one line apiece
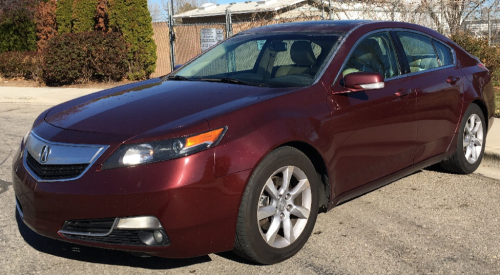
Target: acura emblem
point(44, 155)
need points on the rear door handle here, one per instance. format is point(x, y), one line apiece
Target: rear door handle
point(452, 79)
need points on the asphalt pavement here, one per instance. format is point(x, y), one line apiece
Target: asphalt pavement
point(430, 222)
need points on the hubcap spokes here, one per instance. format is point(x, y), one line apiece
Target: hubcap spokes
point(284, 206)
point(473, 138)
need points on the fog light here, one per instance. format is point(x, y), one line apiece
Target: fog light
point(146, 222)
point(156, 237)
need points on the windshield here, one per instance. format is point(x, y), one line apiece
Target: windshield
point(270, 60)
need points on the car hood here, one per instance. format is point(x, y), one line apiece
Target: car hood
point(140, 107)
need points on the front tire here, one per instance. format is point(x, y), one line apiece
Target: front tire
point(470, 145)
point(279, 207)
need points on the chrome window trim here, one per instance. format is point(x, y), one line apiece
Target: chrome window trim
point(402, 75)
point(90, 234)
point(100, 150)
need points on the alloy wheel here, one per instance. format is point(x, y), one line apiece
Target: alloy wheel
point(473, 138)
point(284, 206)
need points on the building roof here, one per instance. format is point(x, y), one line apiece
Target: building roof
point(211, 9)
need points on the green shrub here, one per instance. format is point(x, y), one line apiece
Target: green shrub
point(17, 25)
point(64, 12)
point(83, 15)
point(81, 57)
point(490, 56)
point(18, 36)
point(26, 65)
point(132, 19)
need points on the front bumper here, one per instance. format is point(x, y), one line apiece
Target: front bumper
point(198, 211)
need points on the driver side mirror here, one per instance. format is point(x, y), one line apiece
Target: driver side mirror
point(361, 81)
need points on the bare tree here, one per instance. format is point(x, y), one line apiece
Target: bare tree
point(451, 14)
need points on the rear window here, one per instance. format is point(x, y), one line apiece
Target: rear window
point(444, 54)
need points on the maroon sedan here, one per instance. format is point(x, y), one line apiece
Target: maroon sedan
point(242, 147)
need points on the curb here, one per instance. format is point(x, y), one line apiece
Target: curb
point(492, 158)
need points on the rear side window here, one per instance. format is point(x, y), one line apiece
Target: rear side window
point(419, 51)
point(444, 54)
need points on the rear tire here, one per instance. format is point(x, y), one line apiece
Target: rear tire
point(470, 144)
point(279, 207)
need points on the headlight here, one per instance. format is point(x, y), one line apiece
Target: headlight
point(134, 154)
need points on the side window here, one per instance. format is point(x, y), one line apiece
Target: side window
point(374, 53)
point(444, 53)
point(419, 51)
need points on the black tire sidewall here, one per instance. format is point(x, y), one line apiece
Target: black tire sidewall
point(282, 157)
point(465, 166)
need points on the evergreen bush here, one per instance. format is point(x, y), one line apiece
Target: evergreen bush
point(64, 13)
point(83, 15)
point(132, 19)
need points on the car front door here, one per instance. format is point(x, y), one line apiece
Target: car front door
point(437, 84)
point(374, 130)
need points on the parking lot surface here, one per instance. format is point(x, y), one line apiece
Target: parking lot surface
point(430, 222)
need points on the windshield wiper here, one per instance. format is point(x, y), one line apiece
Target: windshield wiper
point(227, 80)
point(177, 77)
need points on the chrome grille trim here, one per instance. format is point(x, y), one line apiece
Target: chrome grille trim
point(76, 233)
point(61, 154)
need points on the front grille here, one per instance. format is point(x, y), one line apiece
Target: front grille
point(117, 237)
point(97, 226)
point(54, 172)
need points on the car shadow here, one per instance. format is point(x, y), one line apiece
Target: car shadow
point(436, 168)
point(228, 255)
point(99, 255)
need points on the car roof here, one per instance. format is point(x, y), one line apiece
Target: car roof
point(330, 26)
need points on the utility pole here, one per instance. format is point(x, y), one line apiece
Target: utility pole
point(229, 24)
point(330, 9)
point(489, 28)
point(322, 10)
point(171, 34)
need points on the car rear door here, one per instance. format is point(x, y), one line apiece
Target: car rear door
point(437, 84)
point(374, 130)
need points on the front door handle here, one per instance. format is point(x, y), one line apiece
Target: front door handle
point(403, 92)
point(452, 79)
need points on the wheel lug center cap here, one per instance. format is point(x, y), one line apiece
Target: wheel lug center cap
point(281, 205)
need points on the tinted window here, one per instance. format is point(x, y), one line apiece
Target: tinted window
point(374, 54)
point(419, 51)
point(444, 54)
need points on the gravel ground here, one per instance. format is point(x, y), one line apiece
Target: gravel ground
point(430, 222)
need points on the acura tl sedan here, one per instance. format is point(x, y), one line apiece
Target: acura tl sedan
point(243, 146)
